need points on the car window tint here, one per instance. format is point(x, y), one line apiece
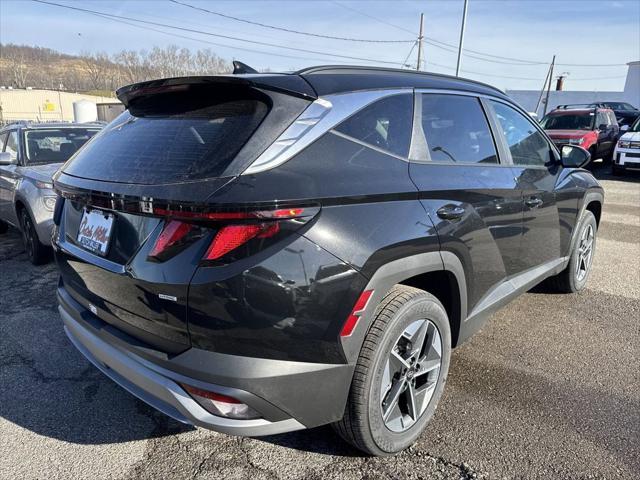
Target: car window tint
point(385, 124)
point(527, 145)
point(12, 144)
point(456, 129)
point(54, 145)
point(3, 139)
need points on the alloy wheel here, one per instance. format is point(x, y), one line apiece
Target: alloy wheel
point(28, 235)
point(585, 253)
point(410, 375)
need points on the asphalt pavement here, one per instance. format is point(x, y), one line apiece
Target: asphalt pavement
point(550, 388)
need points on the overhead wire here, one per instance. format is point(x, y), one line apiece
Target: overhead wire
point(229, 37)
point(288, 30)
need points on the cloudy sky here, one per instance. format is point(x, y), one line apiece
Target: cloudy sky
point(510, 43)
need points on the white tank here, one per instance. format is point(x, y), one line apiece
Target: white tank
point(84, 111)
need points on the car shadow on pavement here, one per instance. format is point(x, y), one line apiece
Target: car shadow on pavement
point(603, 171)
point(46, 385)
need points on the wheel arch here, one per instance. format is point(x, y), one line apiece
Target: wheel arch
point(439, 273)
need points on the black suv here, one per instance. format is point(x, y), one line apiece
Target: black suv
point(625, 113)
point(263, 253)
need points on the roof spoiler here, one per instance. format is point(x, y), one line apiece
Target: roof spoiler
point(289, 84)
point(239, 68)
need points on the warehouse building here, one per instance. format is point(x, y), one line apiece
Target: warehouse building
point(528, 99)
point(51, 105)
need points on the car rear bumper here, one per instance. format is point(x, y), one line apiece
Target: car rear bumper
point(289, 395)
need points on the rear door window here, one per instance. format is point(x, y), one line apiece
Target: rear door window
point(527, 145)
point(456, 129)
point(171, 139)
point(385, 124)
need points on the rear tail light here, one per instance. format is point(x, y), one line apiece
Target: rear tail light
point(221, 405)
point(356, 313)
point(231, 237)
point(254, 229)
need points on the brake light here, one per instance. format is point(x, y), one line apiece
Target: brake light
point(233, 229)
point(356, 313)
point(173, 233)
point(233, 236)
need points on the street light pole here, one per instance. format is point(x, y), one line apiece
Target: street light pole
point(464, 23)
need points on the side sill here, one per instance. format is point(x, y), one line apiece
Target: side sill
point(506, 291)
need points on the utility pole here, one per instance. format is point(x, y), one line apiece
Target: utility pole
point(546, 101)
point(420, 37)
point(544, 87)
point(462, 27)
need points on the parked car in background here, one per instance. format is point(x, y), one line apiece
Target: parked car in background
point(263, 253)
point(627, 152)
point(594, 129)
point(625, 113)
point(30, 153)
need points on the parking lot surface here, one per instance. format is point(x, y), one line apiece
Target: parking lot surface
point(550, 388)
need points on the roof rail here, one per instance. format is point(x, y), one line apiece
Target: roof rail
point(405, 71)
point(579, 105)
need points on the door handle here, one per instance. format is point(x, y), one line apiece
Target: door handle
point(533, 202)
point(450, 212)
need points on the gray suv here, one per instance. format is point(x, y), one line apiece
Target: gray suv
point(30, 153)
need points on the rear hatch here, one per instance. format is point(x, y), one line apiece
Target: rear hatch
point(134, 223)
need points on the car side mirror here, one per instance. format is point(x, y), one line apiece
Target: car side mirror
point(574, 156)
point(624, 128)
point(7, 159)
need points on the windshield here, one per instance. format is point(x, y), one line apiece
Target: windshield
point(55, 145)
point(566, 121)
point(636, 126)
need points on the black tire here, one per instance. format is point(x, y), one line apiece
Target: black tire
point(569, 281)
point(363, 425)
point(4, 226)
point(36, 251)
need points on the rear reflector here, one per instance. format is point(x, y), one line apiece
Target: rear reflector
point(221, 405)
point(357, 311)
point(232, 236)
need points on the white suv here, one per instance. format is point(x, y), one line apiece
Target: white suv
point(627, 152)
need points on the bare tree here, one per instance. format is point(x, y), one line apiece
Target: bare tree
point(96, 67)
point(18, 67)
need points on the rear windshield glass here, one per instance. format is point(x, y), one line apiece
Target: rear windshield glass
point(55, 145)
point(582, 121)
point(171, 139)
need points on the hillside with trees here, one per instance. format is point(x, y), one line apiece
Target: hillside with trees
point(24, 66)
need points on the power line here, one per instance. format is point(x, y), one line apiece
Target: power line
point(288, 30)
point(207, 42)
point(201, 32)
point(486, 74)
point(475, 53)
point(347, 7)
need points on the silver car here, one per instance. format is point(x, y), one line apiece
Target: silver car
point(30, 154)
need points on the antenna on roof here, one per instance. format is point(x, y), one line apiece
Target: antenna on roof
point(240, 68)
